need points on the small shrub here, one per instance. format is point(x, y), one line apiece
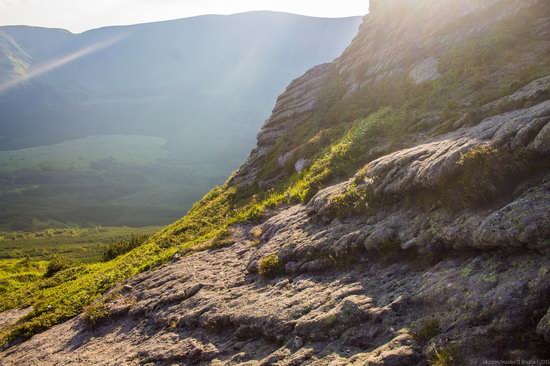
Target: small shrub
point(270, 266)
point(390, 246)
point(429, 329)
point(256, 234)
point(466, 271)
point(447, 356)
point(243, 193)
point(222, 240)
point(57, 263)
point(478, 157)
point(478, 179)
point(95, 312)
point(354, 201)
point(331, 320)
point(120, 247)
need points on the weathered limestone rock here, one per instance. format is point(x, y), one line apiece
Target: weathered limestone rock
point(425, 71)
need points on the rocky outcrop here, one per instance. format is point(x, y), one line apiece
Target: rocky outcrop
point(411, 188)
point(370, 311)
point(10, 317)
point(392, 42)
point(293, 107)
point(425, 70)
point(428, 165)
point(387, 48)
point(543, 328)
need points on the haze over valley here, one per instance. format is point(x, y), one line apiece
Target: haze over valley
point(131, 125)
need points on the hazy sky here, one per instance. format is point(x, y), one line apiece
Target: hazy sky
point(81, 15)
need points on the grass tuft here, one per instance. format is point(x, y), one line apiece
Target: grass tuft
point(447, 356)
point(428, 330)
point(270, 266)
point(57, 263)
point(95, 313)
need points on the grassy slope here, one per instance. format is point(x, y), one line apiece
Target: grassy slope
point(24, 257)
point(82, 245)
point(384, 112)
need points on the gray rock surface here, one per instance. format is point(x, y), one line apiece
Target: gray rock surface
point(425, 70)
point(543, 327)
point(10, 317)
point(206, 309)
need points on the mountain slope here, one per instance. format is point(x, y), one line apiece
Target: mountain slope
point(415, 232)
point(188, 81)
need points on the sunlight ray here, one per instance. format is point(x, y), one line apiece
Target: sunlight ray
point(59, 62)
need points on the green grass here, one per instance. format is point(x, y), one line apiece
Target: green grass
point(83, 245)
point(447, 356)
point(40, 266)
point(95, 313)
point(15, 274)
point(66, 293)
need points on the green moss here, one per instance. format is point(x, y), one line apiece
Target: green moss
point(331, 319)
point(270, 266)
point(467, 271)
point(490, 278)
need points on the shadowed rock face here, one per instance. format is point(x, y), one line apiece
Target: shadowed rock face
point(446, 259)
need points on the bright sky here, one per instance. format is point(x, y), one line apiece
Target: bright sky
point(80, 15)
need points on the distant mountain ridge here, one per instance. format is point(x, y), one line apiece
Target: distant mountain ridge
point(162, 64)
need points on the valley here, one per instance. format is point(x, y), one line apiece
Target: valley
point(101, 180)
point(131, 125)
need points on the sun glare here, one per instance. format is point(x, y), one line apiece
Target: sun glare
point(44, 68)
